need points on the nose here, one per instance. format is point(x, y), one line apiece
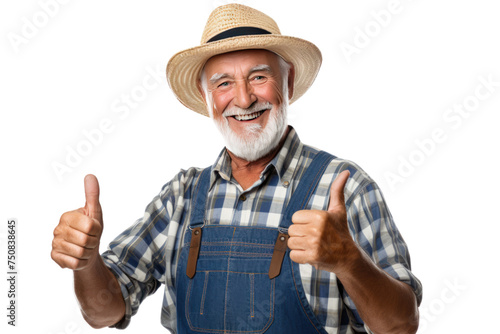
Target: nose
point(244, 96)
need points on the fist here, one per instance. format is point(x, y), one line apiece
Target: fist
point(322, 238)
point(76, 238)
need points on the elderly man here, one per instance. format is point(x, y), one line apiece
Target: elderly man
point(274, 237)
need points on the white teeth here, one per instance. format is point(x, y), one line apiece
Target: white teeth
point(249, 116)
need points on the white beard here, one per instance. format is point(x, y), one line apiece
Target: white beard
point(255, 142)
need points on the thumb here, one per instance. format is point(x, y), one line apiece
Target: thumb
point(92, 205)
point(337, 191)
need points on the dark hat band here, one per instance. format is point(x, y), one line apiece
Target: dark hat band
point(239, 31)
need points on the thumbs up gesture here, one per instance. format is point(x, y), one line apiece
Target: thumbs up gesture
point(76, 238)
point(322, 238)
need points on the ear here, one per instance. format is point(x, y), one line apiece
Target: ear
point(291, 80)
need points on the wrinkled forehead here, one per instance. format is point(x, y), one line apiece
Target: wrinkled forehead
point(243, 59)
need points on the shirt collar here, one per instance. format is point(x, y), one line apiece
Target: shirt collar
point(283, 163)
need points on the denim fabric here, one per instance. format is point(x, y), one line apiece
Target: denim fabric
point(231, 291)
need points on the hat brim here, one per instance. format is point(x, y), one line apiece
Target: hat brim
point(184, 68)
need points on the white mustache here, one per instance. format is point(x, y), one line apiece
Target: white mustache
point(236, 111)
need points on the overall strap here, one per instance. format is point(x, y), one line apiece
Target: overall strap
point(306, 187)
point(299, 200)
point(199, 199)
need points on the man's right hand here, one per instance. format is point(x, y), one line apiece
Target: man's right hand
point(76, 238)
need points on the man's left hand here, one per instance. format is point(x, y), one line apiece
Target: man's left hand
point(322, 238)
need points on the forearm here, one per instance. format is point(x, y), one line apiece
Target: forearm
point(99, 295)
point(385, 304)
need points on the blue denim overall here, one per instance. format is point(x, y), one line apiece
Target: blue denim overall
point(233, 288)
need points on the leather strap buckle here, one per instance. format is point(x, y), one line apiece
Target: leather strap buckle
point(278, 254)
point(194, 251)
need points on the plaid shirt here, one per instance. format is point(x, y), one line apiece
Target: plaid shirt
point(145, 255)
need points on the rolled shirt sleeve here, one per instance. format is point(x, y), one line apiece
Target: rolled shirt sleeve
point(376, 233)
point(372, 227)
point(136, 256)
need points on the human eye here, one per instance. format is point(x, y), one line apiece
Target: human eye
point(223, 84)
point(258, 79)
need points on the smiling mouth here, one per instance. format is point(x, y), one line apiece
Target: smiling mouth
point(249, 117)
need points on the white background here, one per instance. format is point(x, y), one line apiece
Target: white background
point(71, 72)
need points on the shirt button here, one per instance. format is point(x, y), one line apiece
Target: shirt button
point(243, 198)
point(286, 184)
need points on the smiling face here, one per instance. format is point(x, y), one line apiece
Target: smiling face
point(247, 95)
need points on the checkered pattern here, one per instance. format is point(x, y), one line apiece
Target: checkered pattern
point(145, 255)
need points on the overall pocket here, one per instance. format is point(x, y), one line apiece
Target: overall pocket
point(230, 301)
point(231, 291)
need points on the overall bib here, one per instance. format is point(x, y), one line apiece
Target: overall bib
point(240, 279)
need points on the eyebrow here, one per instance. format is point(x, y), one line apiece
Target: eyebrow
point(263, 67)
point(217, 76)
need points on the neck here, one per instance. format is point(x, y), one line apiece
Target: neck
point(247, 172)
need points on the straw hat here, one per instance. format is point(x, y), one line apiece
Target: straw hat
point(237, 27)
